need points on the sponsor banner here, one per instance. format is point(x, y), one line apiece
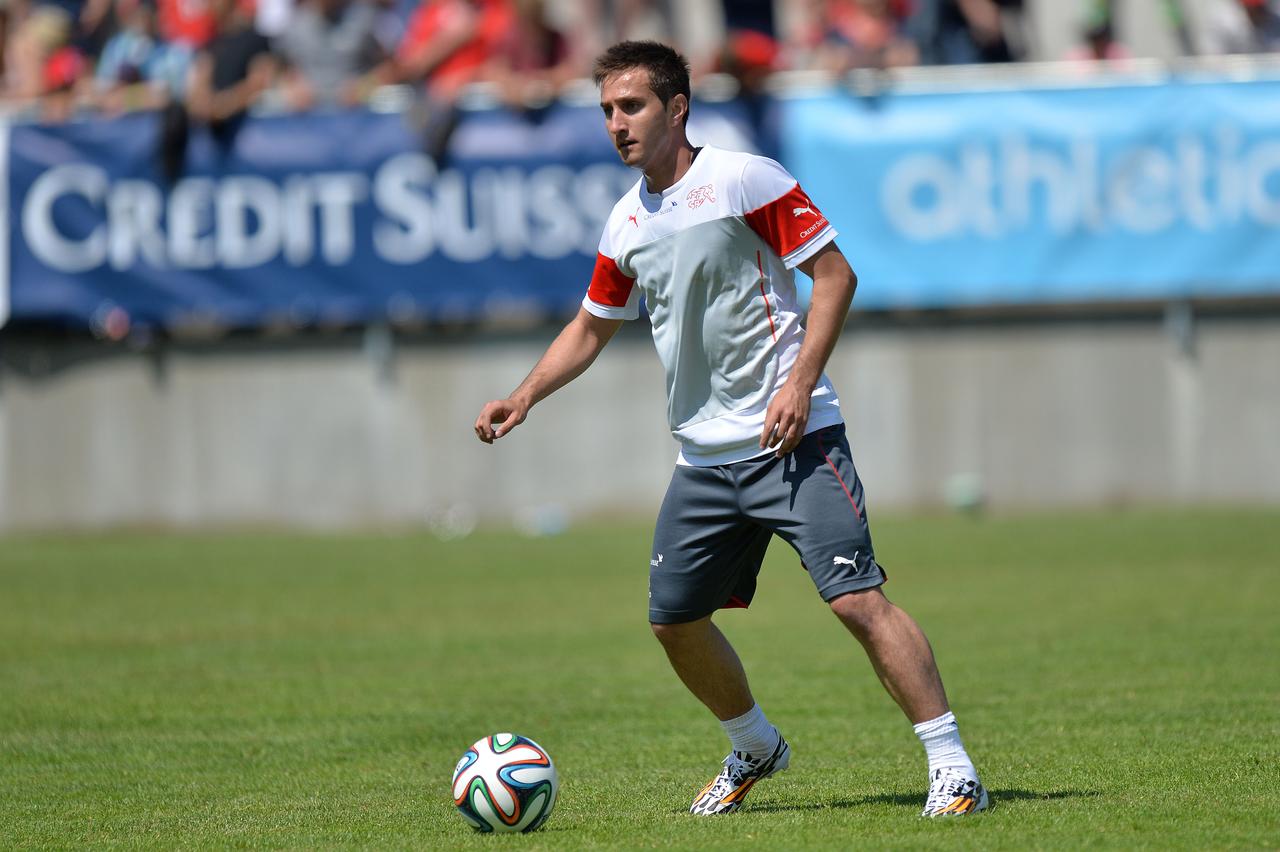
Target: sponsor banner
point(315, 219)
point(5, 238)
point(311, 219)
point(968, 198)
point(1058, 195)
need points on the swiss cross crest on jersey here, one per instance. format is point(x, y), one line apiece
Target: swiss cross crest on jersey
point(701, 195)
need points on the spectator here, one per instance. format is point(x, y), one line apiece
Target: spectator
point(960, 32)
point(44, 65)
point(231, 71)
point(92, 23)
point(332, 53)
point(136, 69)
point(640, 19)
point(227, 75)
point(697, 25)
point(847, 34)
point(751, 52)
point(1099, 44)
point(750, 56)
point(448, 44)
point(532, 60)
point(189, 22)
point(273, 18)
point(1242, 26)
point(750, 16)
point(10, 13)
point(752, 49)
point(393, 21)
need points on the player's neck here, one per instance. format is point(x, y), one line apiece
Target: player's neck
point(662, 177)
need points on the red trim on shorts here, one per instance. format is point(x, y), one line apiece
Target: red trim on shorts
point(734, 602)
point(768, 311)
point(843, 487)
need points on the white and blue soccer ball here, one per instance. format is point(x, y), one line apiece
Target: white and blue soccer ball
point(505, 783)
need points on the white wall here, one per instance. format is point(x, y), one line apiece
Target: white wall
point(1038, 414)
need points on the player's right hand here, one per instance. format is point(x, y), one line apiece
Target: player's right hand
point(499, 417)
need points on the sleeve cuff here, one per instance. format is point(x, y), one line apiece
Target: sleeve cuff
point(810, 247)
point(626, 312)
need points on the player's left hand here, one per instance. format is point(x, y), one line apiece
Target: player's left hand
point(785, 419)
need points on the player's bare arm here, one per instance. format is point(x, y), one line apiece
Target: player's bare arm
point(568, 356)
point(833, 286)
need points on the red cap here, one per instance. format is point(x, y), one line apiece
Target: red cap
point(62, 69)
point(753, 50)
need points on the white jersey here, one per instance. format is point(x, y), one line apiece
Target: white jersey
point(712, 256)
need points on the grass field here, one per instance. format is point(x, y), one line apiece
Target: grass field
point(1116, 677)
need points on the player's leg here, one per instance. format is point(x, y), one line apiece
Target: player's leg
point(898, 650)
point(818, 507)
point(711, 669)
point(707, 665)
point(903, 660)
point(705, 557)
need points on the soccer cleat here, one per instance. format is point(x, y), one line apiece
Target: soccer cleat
point(741, 771)
point(953, 793)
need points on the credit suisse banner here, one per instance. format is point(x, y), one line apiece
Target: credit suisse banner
point(1053, 195)
point(329, 219)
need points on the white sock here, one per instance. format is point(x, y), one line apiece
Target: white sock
point(751, 733)
point(941, 738)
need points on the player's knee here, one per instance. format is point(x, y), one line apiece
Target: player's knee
point(665, 633)
point(861, 611)
point(671, 635)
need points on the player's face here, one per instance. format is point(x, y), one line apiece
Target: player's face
point(641, 128)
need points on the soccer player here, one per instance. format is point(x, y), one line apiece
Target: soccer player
point(710, 238)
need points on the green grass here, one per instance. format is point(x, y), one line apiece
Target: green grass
point(1115, 676)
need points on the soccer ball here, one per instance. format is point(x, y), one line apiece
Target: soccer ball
point(505, 783)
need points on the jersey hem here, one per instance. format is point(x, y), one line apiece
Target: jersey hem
point(821, 419)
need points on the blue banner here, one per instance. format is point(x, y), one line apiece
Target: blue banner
point(329, 219)
point(1056, 195)
point(332, 219)
point(969, 198)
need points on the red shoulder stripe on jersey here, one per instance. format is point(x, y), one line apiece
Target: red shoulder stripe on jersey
point(609, 286)
point(787, 222)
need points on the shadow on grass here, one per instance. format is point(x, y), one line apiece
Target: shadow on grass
point(913, 800)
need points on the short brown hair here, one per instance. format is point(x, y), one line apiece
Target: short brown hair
point(668, 70)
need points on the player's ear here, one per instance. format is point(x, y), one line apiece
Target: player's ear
point(677, 109)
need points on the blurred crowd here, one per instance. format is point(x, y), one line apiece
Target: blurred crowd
point(215, 58)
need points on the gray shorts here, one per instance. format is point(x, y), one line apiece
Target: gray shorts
point(716, 523)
